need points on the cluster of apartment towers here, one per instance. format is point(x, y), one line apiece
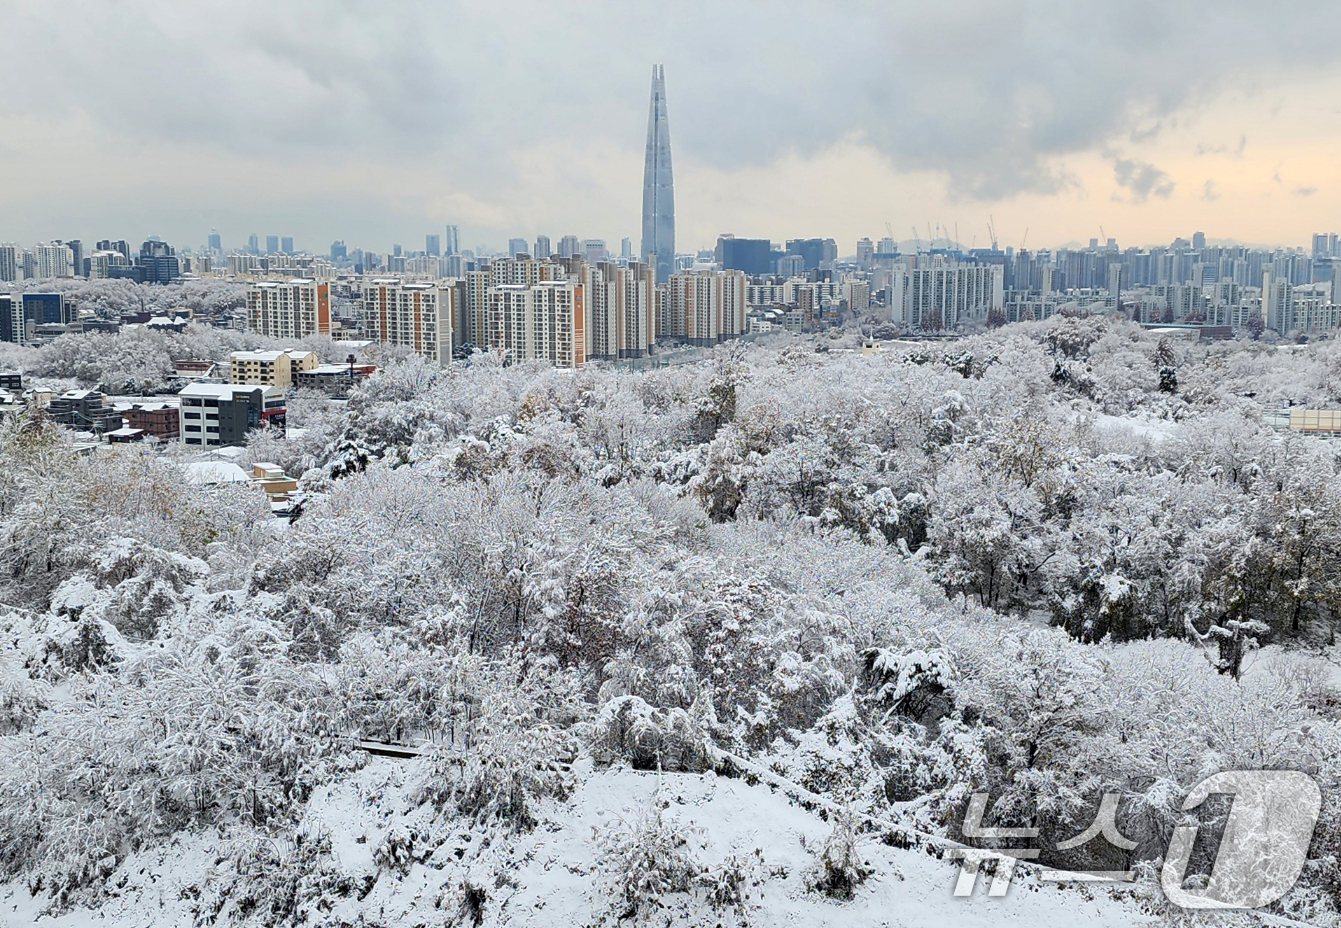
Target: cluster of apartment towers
point(562, 309)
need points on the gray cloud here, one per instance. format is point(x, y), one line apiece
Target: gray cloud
point(1141, 179)
point(1305, 191)
point(1209, 192)
point(990, 94)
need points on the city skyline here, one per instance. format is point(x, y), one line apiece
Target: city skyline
point(1146, 132)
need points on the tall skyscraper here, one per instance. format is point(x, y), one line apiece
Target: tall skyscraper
point(542, 248)
point(658, 187)
point(453, 241)
point(272, 244)
point(432, 245)
point(215, 241)
point(286, 244)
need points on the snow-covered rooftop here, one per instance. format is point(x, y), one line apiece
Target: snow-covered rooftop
point(209, 472)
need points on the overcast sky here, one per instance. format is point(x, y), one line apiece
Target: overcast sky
point(380, 121)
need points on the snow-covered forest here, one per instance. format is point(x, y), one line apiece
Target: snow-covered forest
point(1049, 561)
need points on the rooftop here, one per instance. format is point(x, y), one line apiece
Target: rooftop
point(223, 391)
point(206, 472)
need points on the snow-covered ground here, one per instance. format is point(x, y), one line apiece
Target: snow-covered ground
point(550, 876)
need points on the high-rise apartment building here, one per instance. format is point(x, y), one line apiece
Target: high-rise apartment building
point(286, 244)
point(658, 245)
point(943, 295)
point(253, 244)
point(516, 246)
point(621, 310)
point(542, 248)
point(569, 246)
point(545, 321)
point(411, 314)
point(52, 260)
point(704, 307)
point(432, 245)
point(272, 244)
point(104, 264)
point(10, 263)
point(1325, 245)
point(289, 309)
point(474, 319)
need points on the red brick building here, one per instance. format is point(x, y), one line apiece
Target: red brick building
point(158, 419)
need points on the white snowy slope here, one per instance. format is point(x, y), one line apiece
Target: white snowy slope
point(553, 875)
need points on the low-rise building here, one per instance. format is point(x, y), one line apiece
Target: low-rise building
point(85, 411)
point(124, 436)
point(300, 359)
point(269, 368)
point(196, 368)
point(161, 420)
point(332, 378)
point(223, 414)
point(266, 368)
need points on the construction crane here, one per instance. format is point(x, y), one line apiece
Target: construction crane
point(1025, 238)
point(991, 230)
point(917, 242)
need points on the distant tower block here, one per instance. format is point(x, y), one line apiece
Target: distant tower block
point(658, 187)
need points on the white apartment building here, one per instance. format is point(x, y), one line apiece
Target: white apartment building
point(412, 314)
point(243, 265)
point(704, 307)
point(621, 310)
point(289, 309)
point(100, 263)
point(944, 295)
point(10, 262)
point(545, 321)
point(1288, 308)
point(53, 261)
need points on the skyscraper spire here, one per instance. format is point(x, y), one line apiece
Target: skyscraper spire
point(658, 187)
